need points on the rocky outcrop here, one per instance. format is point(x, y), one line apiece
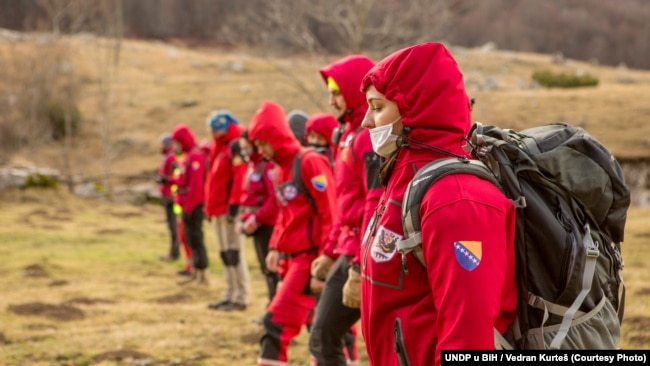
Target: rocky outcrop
point(25, 176)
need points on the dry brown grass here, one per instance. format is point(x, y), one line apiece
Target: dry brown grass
point(87, 270)
point(158, 85)
point(82, 283)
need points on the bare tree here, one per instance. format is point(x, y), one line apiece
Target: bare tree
point(108, 24)
point(65, 13)
point(349, 18)
point(73, 13)
point(349, 26)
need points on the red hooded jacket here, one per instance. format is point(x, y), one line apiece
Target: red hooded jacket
point(355, 177)
point(192, 170)
point(258, 195)
point(451, 304)
point(323, 124)
point(298, 228)
point(225, 176)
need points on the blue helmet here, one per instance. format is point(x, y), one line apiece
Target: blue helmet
point(219, 120)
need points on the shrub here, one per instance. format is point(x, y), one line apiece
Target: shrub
point(563, 80)
point(41, 181)
point(57, 112)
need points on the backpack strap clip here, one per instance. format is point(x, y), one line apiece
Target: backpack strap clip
point(520, 202)
point(411, 244)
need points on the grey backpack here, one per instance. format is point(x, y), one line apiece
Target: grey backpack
point(571, 201)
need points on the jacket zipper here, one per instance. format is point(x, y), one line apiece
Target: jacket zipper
point(399, 345)
point(379, 211)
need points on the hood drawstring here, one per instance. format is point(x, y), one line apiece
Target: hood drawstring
point(386, 168)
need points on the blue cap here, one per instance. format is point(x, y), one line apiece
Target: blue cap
point(220, 120)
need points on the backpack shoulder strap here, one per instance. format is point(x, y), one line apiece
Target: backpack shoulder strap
point(297, 176)
point(234, 147)
point(416, 190)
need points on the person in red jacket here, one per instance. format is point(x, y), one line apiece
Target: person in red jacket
point(259, 208)
point(190, 196)
point(223, 189)
point(165, 180)
point(304, 221)
point(357, 193)
point(297, 122)
point(178, 210)
point(319, 131)
point(419, 112)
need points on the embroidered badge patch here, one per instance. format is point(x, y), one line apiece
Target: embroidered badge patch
point(468, 254)
point(384, 245)
point(289, 192)
point(319, 182)
point(255, 177)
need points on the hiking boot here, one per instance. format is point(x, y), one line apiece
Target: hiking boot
point(184, 272)
point(219, 305)
point(168, 258)
point(193, 277)
point(234, 306)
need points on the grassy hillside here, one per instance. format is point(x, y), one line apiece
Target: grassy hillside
point(82, 285)
point(156, 85)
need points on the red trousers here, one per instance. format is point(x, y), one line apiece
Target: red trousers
point(291, 308)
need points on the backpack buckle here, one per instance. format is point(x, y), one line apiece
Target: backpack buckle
point(590, 245)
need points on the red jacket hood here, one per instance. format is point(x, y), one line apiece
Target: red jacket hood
point(233, 132)
point(269, 123)
point(348, 73)
point(322, 123)
point(167, 150)
point(427, 85)
point(184, 136)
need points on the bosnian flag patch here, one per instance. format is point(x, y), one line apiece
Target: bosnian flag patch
point(468, 254)
point(319, 182)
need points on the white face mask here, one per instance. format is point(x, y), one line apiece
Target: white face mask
point(383, 141)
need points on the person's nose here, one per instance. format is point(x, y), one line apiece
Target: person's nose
point(331, 100)
point(368, 121)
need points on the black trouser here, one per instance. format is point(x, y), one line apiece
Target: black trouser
point(168, 204)
point(261, 238)
point(193, 225)
point(333, 320)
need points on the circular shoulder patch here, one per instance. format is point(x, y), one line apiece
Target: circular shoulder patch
point(289, 192)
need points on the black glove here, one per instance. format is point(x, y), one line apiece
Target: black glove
point(232, 212)
point(162, 180)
